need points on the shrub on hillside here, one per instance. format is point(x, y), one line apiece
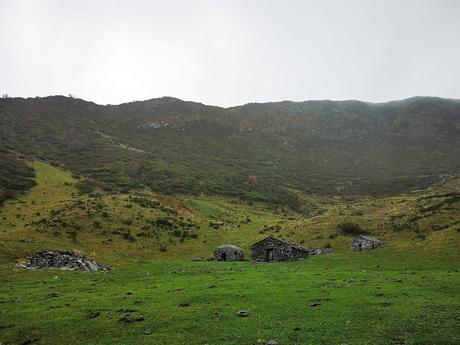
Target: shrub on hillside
point(86, 186)
point(351, 229)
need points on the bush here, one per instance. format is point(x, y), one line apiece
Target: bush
point(127, 236)
point(351, 229)
point(86, 186)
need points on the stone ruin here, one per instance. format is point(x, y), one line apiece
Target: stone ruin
point(363, 242)
point(320, 251)
point(228, 252)
point(275, 249)
point(64, 261)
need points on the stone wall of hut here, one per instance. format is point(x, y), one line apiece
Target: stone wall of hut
point(272, 249)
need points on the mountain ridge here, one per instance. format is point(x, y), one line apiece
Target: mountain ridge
point(411, 98)
point(174, 146)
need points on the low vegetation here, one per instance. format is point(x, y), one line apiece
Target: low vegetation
point(269, 153)
point(351, 229)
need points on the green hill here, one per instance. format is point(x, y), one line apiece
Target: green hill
point(176, 147)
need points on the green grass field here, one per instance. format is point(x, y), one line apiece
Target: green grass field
point(404, 293)
point(380, 297)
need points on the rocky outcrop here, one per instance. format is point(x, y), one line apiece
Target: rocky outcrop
point(64, 261)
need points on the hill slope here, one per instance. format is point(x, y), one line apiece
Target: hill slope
point(143, 224)
point(172, 146)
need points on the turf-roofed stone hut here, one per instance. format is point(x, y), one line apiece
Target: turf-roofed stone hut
point(364, 242)
point(228, 252)
point(274, 249)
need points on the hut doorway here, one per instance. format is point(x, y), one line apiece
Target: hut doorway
point(269, 254)
point(224, 257)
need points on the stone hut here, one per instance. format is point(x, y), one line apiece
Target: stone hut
point(228, 252)
point(364, 242)
point(274, 249)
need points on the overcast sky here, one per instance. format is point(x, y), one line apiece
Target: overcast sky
point(229, 52)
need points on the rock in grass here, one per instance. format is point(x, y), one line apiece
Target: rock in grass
point(129, 319)
point(6, 325)
point(272, 342)
point(198, 259)
point(184, 304)
point(63, 260)
point(93, 314)
point(242, 313)
point(315, 304)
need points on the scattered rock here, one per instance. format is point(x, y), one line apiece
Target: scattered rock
point(127, 311)
point(93, 314)
point(184, 304)
point(53, 294)
point(316, 304)
point(63, 260)
point(242, 313)
point(320, 251)
point(55, 306)
point(6, 325)
point(129, 319)
point(30, 341)
point(272, 342)
point(198, 259)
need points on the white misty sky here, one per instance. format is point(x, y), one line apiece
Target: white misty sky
point(229, 52)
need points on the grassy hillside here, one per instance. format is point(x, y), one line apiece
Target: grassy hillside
point(111, 226)
point(175, 147)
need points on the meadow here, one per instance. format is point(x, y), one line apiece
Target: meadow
point(404, 293)
point(379, 297)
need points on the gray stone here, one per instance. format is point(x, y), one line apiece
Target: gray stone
point(63, 260)
point(320, 251)
point(228, 252)
point(272, 342)
point(275, 249)
point(364, 242)
point(242, 313)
